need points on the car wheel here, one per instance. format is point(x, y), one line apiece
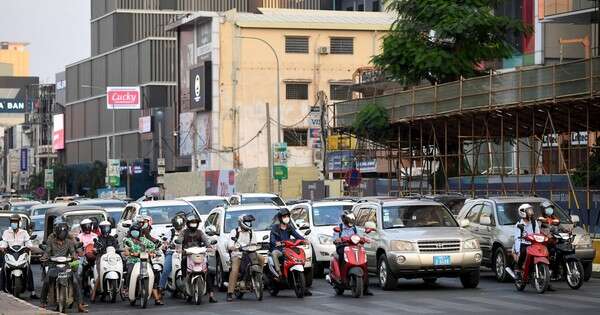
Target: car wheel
point(470, 279)
point(387, 280)
point(587, 271)
point(219, 276)
point(499, 265)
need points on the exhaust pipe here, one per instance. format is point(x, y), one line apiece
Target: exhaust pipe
point(510, 272)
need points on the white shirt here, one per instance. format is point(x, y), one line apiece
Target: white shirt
point(243, 239)
point(9, 238)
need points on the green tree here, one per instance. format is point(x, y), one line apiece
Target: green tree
point(372, 122)
point(442, 40)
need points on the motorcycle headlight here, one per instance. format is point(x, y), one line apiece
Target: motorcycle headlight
point(471, 244)
point(10, 259)
point(402, 246)
point(583, 242)
point(325, 239)
point(355, 239)
point(114, 260)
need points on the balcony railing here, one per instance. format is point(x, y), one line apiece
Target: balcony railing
point(578, 79)
point(553, 7)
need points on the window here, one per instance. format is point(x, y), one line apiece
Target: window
point(341, 45)
point(364, 215)
point(299, 215)
point(361, 7)
point(295, 137)
point(487, 211)
point(376, 6)
point(296, 44)
point(339, 92)
point(128, 213)
point(473, 213)
point(210, 220)
point(296, 91)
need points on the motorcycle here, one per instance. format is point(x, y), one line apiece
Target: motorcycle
point(353, 275)
point(292, 269)
point(63, 293)
point(564, 264)
point(87, 270)
point(111, 274)
point(250, 279)
point(197, 269)
point(176, 283)
point(536, 268)
point(141, 280)
point(16, 265)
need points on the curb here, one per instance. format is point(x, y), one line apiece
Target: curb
point(22, 306)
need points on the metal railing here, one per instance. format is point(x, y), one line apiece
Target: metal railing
point(577, 79)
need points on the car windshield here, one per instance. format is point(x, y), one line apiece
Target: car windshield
point(328, 215)
point(73, 220)
point(205, 206)
point(164, 214)
point(105, 203)
point(417, 216)
point(5, 223)
point(22, 208)
point(508, 212)
point(41, 210)
point(274, 200)
point(264, 219)
point(38, 224)
point(116, 215)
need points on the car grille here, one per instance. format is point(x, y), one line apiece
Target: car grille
point(439, 246)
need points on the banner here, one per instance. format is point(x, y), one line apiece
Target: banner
point(123, 97)
point(58, 132)
point(280, 157)
point(220, 183)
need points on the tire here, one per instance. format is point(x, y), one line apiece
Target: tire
point(309, 275)
point(541, 279)
point(258, 285)
point(17, 287)
point(499, 265)
point(143, 293)
point(318, 268)
point(520, 285)
point(198, 290)
point(587, 271)
point(114, 287)
point(61, 300)
point(470, 280)
point(356, 283)
point(387, 280)
point(338, 290)
point(575, 278)
point(273, 291)
point(430, 281)
point(220, 276)
point(299, 284)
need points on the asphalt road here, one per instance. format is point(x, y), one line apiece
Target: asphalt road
point(410, 297)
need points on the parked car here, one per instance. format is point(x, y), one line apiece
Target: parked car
point(224, 219)
point(492, 220)
point(454, 202)
point(204, 204)
point(321, 217)
point(417, 238)
point(23, 206)
point(25, 224)
point(256, 198)
point(161, 212)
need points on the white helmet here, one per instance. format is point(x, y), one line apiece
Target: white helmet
point(524, 209)
point(86, 225)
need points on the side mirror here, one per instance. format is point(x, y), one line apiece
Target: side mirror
point(371, 225)
point(304, 226)
point(126, 224)
point(266, 237)
point(34, 236)
point(211, 230)
point(307, 232)
point(575, 218)
point(485, 221)
point(464, 223)
point(337, 229)
point(213, 242)
point(369, 230)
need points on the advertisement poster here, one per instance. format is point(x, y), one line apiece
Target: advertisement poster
point(220, 183)
point(122, 97)
point(187, 133)
point(58, 132)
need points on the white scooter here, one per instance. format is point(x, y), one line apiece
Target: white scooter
point(176, 283)
point(141, 280)
point(111, 274)
point(16, 264)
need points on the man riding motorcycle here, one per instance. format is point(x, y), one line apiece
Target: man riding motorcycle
point(192, 236)
point(530, 226)
point(281, 232)
point(239, 237)
point(347, 228)
point(178, 223)
point(12, 236)
point(133, 244)
point(59, 243)
point(103, 241)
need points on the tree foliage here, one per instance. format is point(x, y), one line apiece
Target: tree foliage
point(372, 122)
point(442, 40)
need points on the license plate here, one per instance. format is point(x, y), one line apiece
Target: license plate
point(441, 260)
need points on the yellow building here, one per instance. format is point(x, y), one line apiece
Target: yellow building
point(14, 59)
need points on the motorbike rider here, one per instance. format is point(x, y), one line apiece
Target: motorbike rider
point(239, 237)
point(133, 244)
point(530, 225)
point(12, 236)
point(169, 247)
point(103, 241)
point(193, 236)
point(86, 236)
point(347, 229)
point(280, 232)
point(59, 243)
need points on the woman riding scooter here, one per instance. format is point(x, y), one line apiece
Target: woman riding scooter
point(103, 241)
point(193, 236)
point(133, 245)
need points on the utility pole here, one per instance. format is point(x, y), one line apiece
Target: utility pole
point(269, 147)
point(324, 132)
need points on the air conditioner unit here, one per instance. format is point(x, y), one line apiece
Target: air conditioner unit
point(323, 50)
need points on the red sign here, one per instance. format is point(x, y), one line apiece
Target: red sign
point(58, 132)
point(123, 97)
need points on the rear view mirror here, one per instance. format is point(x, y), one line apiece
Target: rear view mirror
point(337, 229)
point(575, 218)
point(304, 226)
point(126, 224)
point(307, 232)
point(266, 237)
point(34, 236)
point(213, 242)
point(464, 223)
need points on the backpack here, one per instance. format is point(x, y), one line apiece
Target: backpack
point(237, 235)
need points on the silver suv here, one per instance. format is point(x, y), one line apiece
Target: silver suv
point(417, 238)
point(492, 221)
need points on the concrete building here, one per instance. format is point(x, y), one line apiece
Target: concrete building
point(14, 59)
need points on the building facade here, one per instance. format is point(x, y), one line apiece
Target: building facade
point(14, 59)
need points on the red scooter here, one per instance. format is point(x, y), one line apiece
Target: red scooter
point(354, 275)
point(536, 269)
point(292, 270)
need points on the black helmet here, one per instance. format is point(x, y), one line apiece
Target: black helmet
point(135, 230)
point(192, 222)
point(283, 212)
point(245, 222)
point(105, 228)
point(15, 218)
point(61, 229)
point(178, 221)
point(348, 217)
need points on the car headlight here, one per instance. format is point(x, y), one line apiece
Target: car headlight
point(471, 244)
point(325, 239)
point(402, 246)
point(583, 242)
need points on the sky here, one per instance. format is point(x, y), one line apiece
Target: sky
point(58, 32)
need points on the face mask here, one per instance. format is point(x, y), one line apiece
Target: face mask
point(193, 225)
point(286, 220)
point(145, 226)
point(135, 234)
point(14, 226)
point(549, 211)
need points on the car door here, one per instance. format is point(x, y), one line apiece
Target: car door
point(487, 223)
point(369, 214)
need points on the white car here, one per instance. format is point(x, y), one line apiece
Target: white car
point(224, 219)
point(321, 217)
point(204, 204)
point(161, 212)
point(256, 198)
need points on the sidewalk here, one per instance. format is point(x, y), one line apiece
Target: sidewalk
point(10, 305)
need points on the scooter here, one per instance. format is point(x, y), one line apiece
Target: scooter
point(250, 279)
point(16, 265)
point(565, 265)
point(87, 269)
point(63, 294)
point(197, 269)
point(292, 270)
point(176, 283)
point(353, 275)
point(111, 274)
point(141, 280)
point(536, 268)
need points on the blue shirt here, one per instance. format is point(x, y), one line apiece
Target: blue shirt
point(529, 229)
point(345, 231)
point(279, 235)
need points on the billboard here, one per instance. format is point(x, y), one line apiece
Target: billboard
point(24, 159)
point(145, 124)
point(201, 87)
point(123, 97)
point(58, 132)
point(220, 183)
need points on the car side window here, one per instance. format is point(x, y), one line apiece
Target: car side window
point(299, 215)
point(487, 211)
point(371, 216)
point(128, 213)
point(360, 217)
point(473, 213)
point(210, 220)
point(217, 222)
